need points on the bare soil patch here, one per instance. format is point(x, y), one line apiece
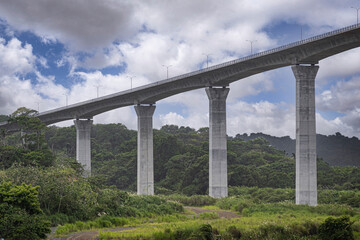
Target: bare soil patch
point(222, 214)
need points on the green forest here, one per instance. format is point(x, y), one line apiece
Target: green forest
point(181, 160)
point(41, 184)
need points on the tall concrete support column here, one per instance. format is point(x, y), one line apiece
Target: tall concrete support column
point(218, 182)
point(306, 173)
point(145, 155)
point(83, 144)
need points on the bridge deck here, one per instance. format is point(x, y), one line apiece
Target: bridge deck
point(307, 51)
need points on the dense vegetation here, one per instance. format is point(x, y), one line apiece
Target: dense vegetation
point(261, 180)
point(336, 150)
point(181, 160)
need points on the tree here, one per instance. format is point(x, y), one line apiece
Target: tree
point(21, 216)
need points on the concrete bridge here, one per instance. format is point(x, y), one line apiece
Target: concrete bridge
point(302, 56)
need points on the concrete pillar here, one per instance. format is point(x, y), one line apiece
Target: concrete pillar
point(306, 173)
point(83, 144)
point(218, 183)
point(145, 155)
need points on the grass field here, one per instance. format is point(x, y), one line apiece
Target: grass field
point(282, 220)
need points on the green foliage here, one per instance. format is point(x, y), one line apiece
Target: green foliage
point(194, 200)
point(24, 197)
point(61, 190)
point(181, 160)
point(101, 222)
point(10, 155)
point(234, 232)
point(31, 148)
point(330, 148)
point(16, 223)
point(209, 215)
point(270, 195)
point(336, 229)
point(21, 216)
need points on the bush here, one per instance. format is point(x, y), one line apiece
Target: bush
point(235, 233)
point(336, 228)
point(21, 216)
point(203, 232)
point(17, 223)
point(194, 200)
point(209, 215)
point(101, 222)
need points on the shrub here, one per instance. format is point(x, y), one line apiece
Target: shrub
point(194, 200)
point(21, 216)
point(203, 232)
point(235, 233)
point(209, 215)
point(17, 223)
point(336, 228)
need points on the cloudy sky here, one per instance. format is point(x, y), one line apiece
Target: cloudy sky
point(73, 50)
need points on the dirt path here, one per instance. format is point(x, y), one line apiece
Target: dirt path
point(93, 235)
point(90, 235)
point(222, 214)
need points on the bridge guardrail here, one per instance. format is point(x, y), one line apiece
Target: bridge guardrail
point(290, 45)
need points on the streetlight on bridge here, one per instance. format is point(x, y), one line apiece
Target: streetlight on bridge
point(66, 96)
point(131, 78)
point(251, 45)
point(167, 70)
point(97, 89)
point(207, 59)
point(357, 14)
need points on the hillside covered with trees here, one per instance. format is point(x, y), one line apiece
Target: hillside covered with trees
point(181, 159)
point(41, 184)
point(337, 150)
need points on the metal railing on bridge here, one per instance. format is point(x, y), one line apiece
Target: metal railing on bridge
point(277, 49)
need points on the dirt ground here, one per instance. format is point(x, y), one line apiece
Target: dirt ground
point(222, 214)
point(92, 235)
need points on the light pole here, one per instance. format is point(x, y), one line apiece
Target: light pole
point(357, 14)
point(131, 78)
point(97, 90)
point(66, 95)
point(167, 70)
point(251, 45)
point(207, 59)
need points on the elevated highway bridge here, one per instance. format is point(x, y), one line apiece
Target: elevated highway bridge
point(303, 57)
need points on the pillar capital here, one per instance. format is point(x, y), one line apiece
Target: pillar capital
point(145, 110)
point(305, 72)
point(83, 125)
point(217, 93)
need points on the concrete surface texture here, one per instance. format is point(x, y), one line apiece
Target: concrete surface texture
point(306, 174)
point(83, 144)
point(145, 155)
point(218, 184)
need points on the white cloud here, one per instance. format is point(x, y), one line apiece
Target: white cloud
point(270, 118)
point(339, 66)
point(144, 35)
point(342, 97)
point(15, 58)
point(80, 24)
